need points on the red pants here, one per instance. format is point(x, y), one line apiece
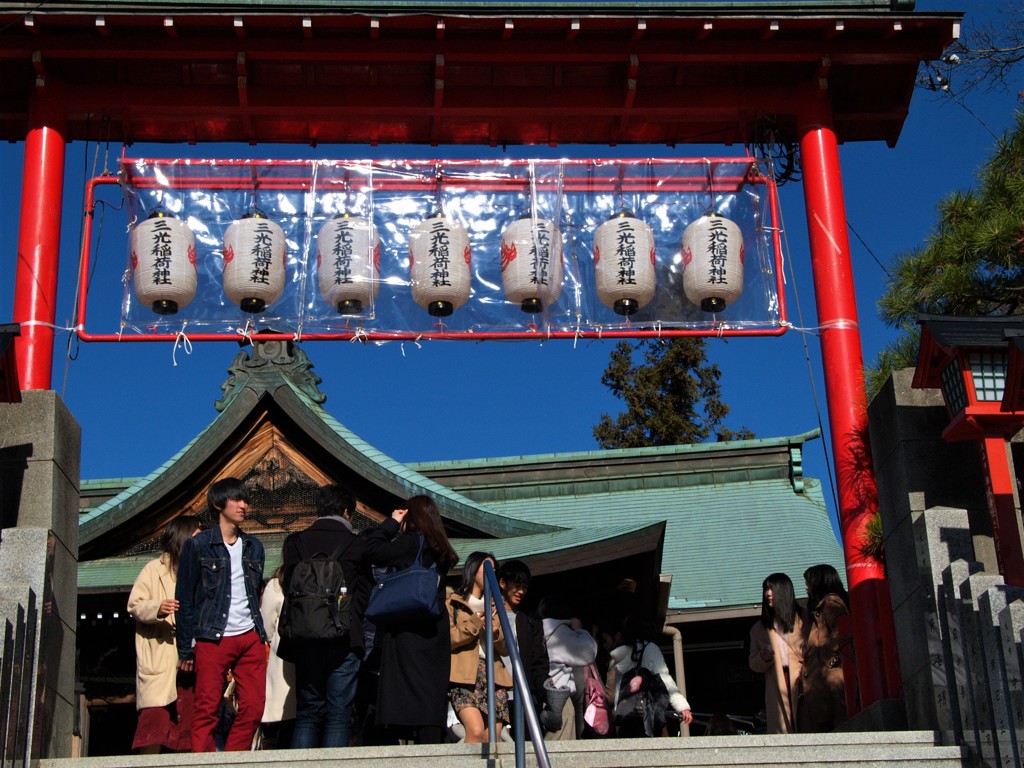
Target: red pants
point(246, 657)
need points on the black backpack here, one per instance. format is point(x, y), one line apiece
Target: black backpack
point(643, 706)
point(317, 605)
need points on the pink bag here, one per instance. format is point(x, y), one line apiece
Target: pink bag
point(598, 708)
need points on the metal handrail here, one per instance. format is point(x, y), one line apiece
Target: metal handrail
point(522, 698)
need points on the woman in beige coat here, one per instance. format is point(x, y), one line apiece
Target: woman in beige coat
point(163, 702)
point(776, 651)
point(468, 677)
point(823, 693)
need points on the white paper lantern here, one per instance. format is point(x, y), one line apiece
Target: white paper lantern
point(254, 262)
point(624, 261)
point(348, 263)
point(439, 265)
point(163, 263)
point(713, 263)
point(531, 263)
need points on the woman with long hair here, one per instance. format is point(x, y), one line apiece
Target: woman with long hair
point(822, 704)
point(467, 615)
point(163, 695)
point(776, 651)
point(415, 658)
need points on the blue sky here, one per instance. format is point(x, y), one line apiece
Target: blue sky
point(454, 400)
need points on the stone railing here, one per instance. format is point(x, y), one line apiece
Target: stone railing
point(975, 638)
point(19, 617)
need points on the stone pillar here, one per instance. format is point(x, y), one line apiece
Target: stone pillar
point(1004, 687)
point(40, 445)
point(916, 470)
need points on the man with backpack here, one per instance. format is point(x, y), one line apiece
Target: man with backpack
point(321, 621)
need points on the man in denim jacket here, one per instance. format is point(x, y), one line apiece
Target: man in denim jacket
point(219, 627)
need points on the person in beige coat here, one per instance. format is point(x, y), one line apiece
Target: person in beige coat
point(468, 677)
point(823, 689)
point(163, 701)
point(776, 651)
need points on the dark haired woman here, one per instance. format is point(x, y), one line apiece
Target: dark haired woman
point(776, 651)
point(162, 695)
point(467, 611)
point(415, 658)
point(822, 704)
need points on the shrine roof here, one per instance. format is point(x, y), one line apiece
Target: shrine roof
point(546, 553)
point(717, 516)
point(734, 511)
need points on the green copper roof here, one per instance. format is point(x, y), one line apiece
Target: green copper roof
point(569, 547)
point(734, 512)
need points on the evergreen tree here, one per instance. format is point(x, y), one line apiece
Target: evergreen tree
point(972, 263)
point(672, 396)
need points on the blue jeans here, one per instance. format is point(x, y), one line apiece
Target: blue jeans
point(325, 687)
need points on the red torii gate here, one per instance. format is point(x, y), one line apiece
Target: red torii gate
point(535, 72)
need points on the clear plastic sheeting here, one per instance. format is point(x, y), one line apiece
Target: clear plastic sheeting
point(563, 199)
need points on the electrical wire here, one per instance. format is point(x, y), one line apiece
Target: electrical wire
point(787, 254)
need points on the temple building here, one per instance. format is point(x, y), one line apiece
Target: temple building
point(685, 532)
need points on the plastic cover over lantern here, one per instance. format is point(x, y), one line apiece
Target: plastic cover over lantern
point(348, 263)
point(254, 262)
point(712, 263)
point(439, 265)
point(163, 253)
point(624, 258)
point(531, 263)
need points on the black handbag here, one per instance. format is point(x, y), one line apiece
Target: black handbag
point(407, 595)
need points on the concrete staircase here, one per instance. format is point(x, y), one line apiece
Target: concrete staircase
point(895, 749)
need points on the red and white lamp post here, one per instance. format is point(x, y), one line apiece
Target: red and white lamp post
point(978, 364)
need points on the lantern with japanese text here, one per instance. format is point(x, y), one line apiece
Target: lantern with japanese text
point(531, 263)
point(254, 262)
point(163, 254)
point(624, 260)
point(348, 263)
point(439, 265)
point(712, 263)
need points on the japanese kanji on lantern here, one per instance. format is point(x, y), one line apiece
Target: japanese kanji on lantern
point(439, 265)
point(163, 263)
point(254, 262)
point(348, 263)
point(531, 263)
point(624, 260)
point(388, 250)
point(712, 263)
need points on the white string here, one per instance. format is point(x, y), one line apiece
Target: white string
point(246, 331)
point(359, 335)
point(183, 340)
point(415, 341)
point(44, 324)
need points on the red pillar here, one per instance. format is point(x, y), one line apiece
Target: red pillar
point(35, 286)
point(844, 387)
point(1005, 525)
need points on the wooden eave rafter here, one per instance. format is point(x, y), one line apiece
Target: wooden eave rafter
point(473, 78)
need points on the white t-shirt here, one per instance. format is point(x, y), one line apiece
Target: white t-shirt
point(240, 618)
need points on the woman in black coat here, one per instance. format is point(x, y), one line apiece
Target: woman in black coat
point(415, 658)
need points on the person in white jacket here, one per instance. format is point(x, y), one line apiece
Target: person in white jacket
point(570, 649)
point(638, 650)
point(279, 712)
